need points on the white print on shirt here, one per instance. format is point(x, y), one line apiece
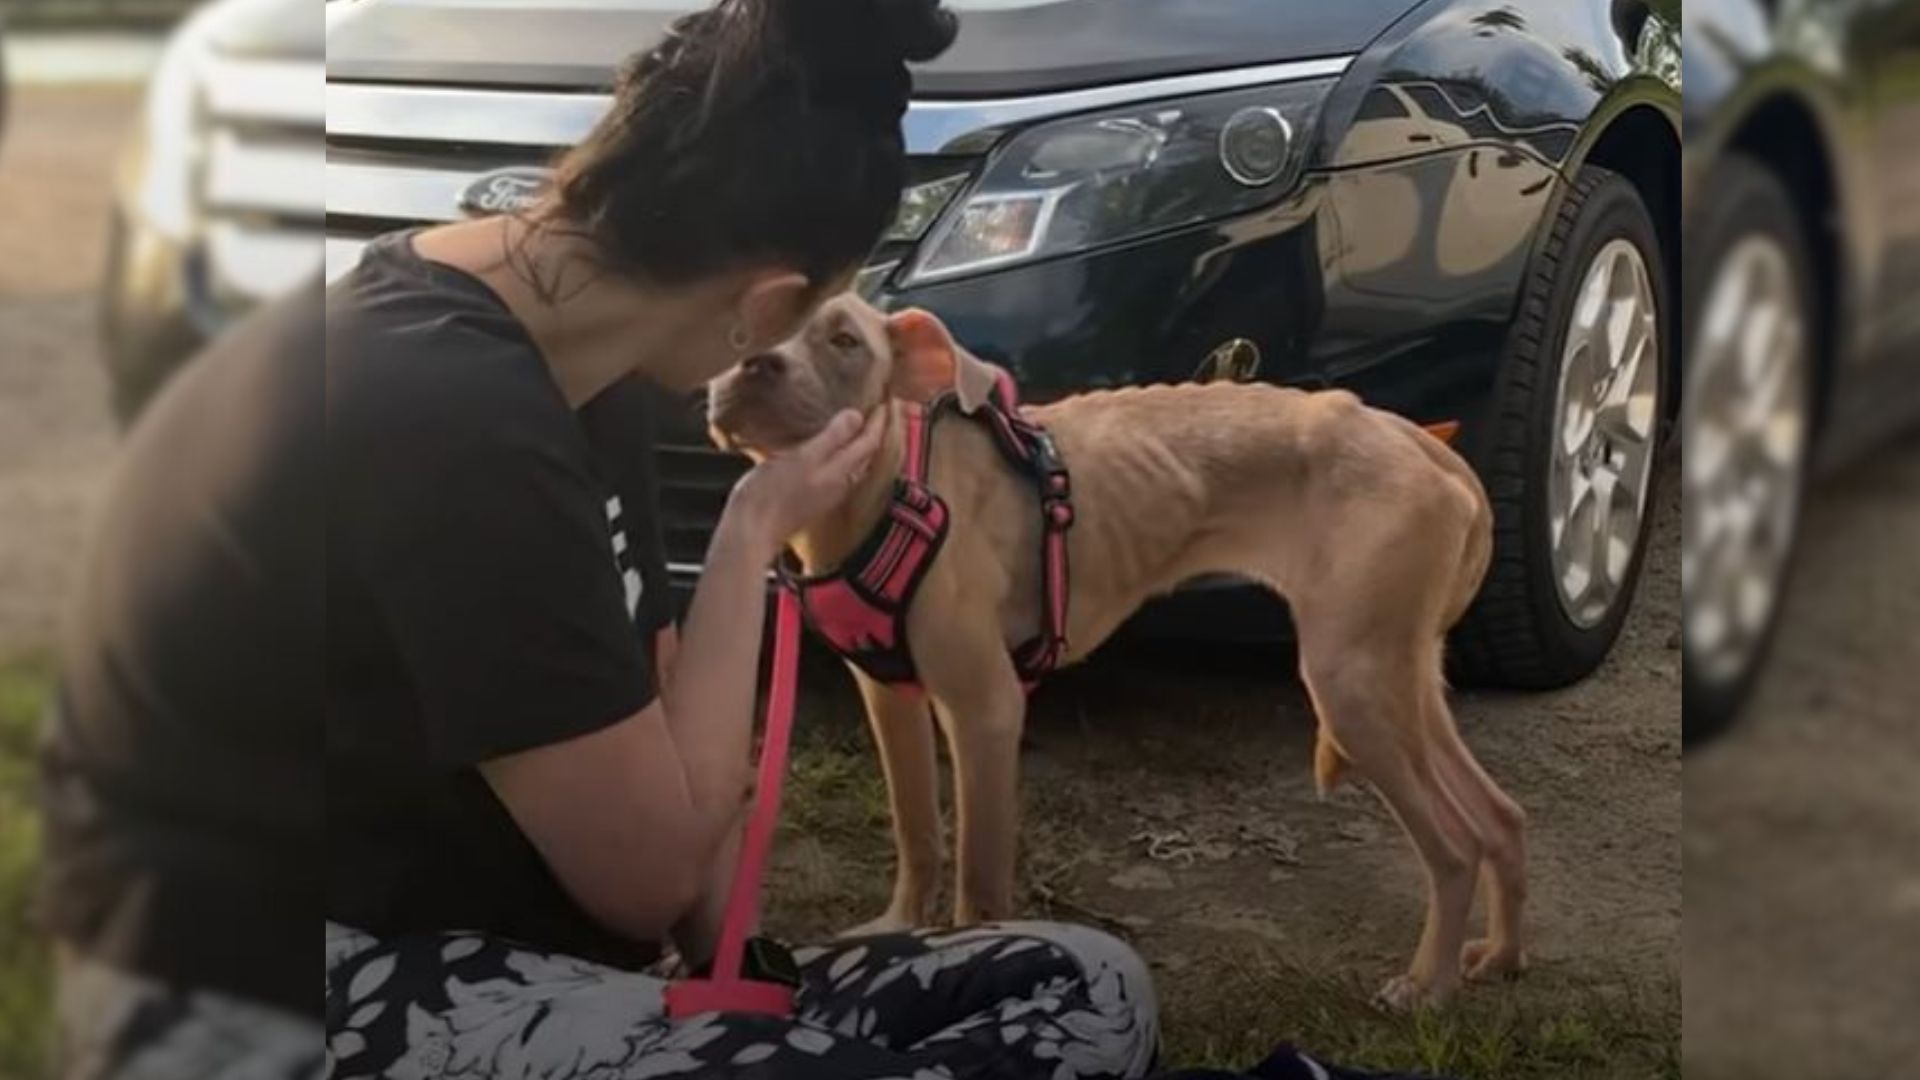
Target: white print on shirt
point(623, 557)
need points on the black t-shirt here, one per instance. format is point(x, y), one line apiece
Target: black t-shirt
point(494, 584)
point(181, 773)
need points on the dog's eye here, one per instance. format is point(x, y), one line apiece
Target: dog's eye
point(844, 340)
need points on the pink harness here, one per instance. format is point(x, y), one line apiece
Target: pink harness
point(861, 608)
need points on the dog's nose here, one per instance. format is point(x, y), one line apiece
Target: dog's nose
point(766, 365)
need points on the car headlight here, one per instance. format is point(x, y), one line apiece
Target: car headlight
point(173, 132)
point(1090, 181)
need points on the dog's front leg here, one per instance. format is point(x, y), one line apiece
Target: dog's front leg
point(982, 707)
point(903, 733)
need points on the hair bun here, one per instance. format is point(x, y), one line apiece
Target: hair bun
point(918, 30)
point(854, 52)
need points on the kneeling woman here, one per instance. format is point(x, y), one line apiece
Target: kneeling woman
point(531, 787)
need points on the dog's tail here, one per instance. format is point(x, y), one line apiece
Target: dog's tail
point(1329, 765)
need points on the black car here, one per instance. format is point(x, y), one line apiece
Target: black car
point(1463, 210)
point(1802, 296)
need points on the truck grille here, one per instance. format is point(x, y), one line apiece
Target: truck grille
point(260, 185)
point(693, 490)
point(399, 156)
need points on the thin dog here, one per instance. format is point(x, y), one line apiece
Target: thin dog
point(1375, 532)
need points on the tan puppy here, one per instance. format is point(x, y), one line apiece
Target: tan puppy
point(1373, 530)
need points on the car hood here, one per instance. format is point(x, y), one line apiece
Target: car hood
point(1005, 46)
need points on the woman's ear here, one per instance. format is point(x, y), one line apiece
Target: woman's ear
point(774, 305)
point(927, 362)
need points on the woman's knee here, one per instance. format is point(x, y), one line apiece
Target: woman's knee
point(1096, 952)
point(1115, 977)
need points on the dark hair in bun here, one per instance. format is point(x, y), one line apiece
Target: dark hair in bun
point(755, 132)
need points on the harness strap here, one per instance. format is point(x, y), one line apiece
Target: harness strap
point(1043, 653)
point(1029, 448)
point(728, 989)
point(917, 432)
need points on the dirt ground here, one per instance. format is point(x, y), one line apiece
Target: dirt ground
point(1802, 837)
point(1168, 795)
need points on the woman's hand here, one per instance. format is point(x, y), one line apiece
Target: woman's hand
point(791, 489)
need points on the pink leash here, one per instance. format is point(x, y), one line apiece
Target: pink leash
point(724, 990)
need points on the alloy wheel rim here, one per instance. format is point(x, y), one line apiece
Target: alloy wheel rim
point(1744, 431)
point(1606, 420)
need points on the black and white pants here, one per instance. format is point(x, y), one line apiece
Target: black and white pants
point(1011, 1001)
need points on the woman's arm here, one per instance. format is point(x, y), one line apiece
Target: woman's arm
point(709, 703)
point(631, 817)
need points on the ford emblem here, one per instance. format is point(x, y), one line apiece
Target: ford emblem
point(504, 191)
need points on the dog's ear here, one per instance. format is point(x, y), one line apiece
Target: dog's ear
point(926, 361)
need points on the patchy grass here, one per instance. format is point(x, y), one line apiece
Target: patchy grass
point(833, 858)
point(1230, 1006)
point(25, 969)
point(1227, 998)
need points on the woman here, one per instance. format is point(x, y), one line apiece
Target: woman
point(530, 787)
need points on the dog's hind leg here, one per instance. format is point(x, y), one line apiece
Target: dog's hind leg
point(903, 733)
point(1369, 704)
point(1500, 825)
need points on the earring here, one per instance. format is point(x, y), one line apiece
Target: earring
point(739, 338)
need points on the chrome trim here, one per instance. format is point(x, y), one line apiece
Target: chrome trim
point(259, 264)
point(397, 192)
point(694, 570)
point(868, 282)
point(951, 127)
point(440, 114)
point(281, 176)
point(289, 92)
point(1240, 176)
point(341, 255)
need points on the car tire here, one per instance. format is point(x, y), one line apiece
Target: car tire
point(1747, 425)
point(1550, 609)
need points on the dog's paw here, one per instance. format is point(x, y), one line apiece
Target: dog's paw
point(1405, 994)
point(890, 923)
point(1484, 960)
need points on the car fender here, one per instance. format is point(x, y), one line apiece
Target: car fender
point(1740, 64)
point(1443, 149)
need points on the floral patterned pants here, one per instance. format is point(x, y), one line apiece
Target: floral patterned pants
point(1012, 1001)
